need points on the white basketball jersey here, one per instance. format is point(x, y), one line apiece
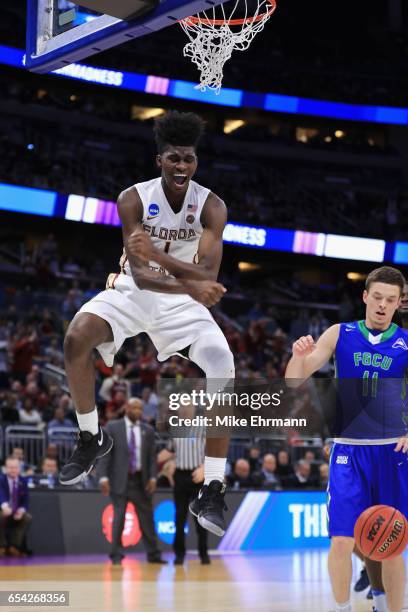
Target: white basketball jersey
point(176, 233)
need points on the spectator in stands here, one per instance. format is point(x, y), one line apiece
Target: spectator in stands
point(115, 383)
point(54, 354)
point(310, 457)
point(323, 475)
point(149, 367)
point(25, 468)
point(32, 391)
point(284, 467)
point(4, 360)
point(150, 406)
point(48, 474)
point(14, 518)
point(28, 414)
point(17, 388)
point(254, 459)
point(60, 419)
point(268, 476)
point(241, 478)
point(8, 408)
point(24, 347)
point(302, 478)
point(52, 452)
point(115, 408)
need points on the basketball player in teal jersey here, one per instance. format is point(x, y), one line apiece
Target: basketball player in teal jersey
point(367, 349)
point(374, 568)
point(172, 235)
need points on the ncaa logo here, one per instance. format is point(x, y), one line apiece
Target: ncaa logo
point(164, 515)
point(153, 210)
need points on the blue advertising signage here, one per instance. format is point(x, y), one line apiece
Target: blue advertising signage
point(269, 520)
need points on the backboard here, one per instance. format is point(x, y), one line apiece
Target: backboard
point(60, 32)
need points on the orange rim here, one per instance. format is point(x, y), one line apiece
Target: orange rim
point(219, 22)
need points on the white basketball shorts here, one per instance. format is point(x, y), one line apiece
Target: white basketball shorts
point(173, 321)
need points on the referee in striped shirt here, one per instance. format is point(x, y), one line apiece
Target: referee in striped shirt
point(188, 478)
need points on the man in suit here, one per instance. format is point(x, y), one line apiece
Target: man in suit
point(14, 518)
point(128, 473)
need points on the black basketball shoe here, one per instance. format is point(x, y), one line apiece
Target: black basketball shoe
point(209, 506)
point(88, 449)
point(363, 582)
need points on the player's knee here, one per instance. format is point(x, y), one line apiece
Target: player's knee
point(223, 361)
point(77, 341)
point(342, 546)
point(215, 358)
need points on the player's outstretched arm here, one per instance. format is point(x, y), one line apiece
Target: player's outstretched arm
point(209, 254)
point(130, 211)
point(309, 356)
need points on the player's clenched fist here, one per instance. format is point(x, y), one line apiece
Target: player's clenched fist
point(206, 292)
point(303, 346)
point(140, 245)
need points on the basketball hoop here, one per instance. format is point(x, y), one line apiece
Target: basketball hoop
point(214, 38)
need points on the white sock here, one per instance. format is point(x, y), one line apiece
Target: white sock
point(345, 607)
point(88, 421)
point(214, 469)
point(380, 601)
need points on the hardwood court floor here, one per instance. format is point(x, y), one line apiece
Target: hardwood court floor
point(273, 582)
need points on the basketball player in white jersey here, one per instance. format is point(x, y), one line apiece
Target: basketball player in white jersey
point(172, 234)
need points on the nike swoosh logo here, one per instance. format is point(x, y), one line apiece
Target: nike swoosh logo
point(200, 494)
point(101, 440)
point(148, 218)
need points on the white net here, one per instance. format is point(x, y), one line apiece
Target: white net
point(214, 36)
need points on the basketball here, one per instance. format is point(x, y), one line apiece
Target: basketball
point(381, 532)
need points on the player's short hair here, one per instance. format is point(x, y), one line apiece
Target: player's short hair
point(386, 274)
point(178, 129)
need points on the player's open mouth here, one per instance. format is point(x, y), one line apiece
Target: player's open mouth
point(180, 179)
point(380, 314)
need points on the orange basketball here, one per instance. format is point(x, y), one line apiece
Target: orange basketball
point(381, 532)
